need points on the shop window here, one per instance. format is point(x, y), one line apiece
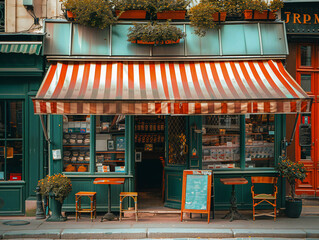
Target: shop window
point(305, 82)
point(259, 141)
point(305, 56)
point(221, 142)
point(11, 140)
point(305, 151)
point(177, 141)
point(110, 144)
point(76, 143)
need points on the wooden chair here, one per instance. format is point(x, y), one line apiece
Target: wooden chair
point(132, 195)
point(269, 198)
point(78, 207)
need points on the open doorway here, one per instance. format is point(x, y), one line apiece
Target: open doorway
point(149, 160)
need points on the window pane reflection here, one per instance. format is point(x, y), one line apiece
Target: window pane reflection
point(305, 55)
point(14, 119)
point(305, 82)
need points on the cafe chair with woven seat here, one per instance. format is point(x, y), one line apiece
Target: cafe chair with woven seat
point(268, 198)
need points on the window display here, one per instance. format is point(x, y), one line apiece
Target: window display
point(260, 138)
point(110, 143)
point(221, 146)
point(76, 143)
point(11, 140)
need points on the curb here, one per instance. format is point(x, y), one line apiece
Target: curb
point(164, 233)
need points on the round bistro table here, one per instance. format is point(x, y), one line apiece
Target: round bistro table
point(109, 181)
point(233, 210)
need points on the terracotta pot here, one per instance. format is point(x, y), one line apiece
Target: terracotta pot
point(152, 43)
point(70, 15)
point(131, 14)
point(219, 16)
point(171, 15)
point(256, 15)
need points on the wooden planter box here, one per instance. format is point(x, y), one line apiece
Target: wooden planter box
point(179, 15)
point(152, 43)
point(131, 14)
point(256, 15)
point(220, 16)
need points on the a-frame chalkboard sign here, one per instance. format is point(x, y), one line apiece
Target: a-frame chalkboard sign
point(196, 194)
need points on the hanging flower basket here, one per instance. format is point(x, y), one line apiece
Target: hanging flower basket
point(179, 15)
point(131, 14)
point(219, 16)
point(256, 15)
point(157, 42)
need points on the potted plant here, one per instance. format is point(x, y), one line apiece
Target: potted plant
point(130, 9)
point(201, 17)
point(234, 9)
point(91, 13)
point(155, 33)
point(57, 187)
point(293, 172)
point(260, 10)
point(220, 10)
point(171, 9)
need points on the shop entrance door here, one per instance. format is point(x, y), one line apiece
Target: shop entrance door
point(175, 160)
point(308, 77)
point(149, 160)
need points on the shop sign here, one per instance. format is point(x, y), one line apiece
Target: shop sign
point(302, 18)
point(305, 135)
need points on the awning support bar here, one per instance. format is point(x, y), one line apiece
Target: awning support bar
point(294, 130)
point(44, 129)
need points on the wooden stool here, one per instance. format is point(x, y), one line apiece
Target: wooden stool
point(79, 210)
point(124, 195)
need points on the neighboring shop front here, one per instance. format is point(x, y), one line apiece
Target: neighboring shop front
point(148, 113)
point(302, 24)
point(21, 137)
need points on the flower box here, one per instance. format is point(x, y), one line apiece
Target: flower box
point(157, 42)
point(219, 16)
point(179, 15)
point(256, 15)
point(131, 14)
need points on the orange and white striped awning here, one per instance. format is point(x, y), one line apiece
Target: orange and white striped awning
point(233, 87)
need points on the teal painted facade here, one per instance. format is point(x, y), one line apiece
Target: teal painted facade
point(83, 181)
point(20, 78)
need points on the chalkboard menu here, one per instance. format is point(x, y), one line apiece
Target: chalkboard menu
point(305, 135)
point(196, 193)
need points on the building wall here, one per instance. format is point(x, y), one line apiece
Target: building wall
point(17, 18)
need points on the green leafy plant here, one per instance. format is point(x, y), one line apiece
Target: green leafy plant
point(156, 32)
point(292, 171)
point(91, 13)
point(170, 5)
point(201, 17)
point(276, 5)
point(124, 5)
point(57, 186)
point(257, 5)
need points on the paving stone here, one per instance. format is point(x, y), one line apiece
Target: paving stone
point(103, 233)
point(188, 233)
point(51, 234)
point(272, 233)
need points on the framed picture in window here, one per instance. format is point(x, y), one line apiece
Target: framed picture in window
point(120, 143)
point(110, 145)
point(138, 156)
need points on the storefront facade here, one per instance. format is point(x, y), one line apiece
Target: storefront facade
point(148, 124)
point(22, 149)
point(302, 23)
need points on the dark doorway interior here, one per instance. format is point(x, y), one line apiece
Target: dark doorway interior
point(149, 165)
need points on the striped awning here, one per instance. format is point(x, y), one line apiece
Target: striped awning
point(233, 87)
point(21, 47)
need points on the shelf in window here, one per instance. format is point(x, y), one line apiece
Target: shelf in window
point(210, 161)
point(122, 161)
point(261, 159)
point(257, 133)
point(216, 147)
point(230, 134)
point(76, 163)
point(111, 152)
point(222, 126)
point(158, 132)
point(261, 145)
point(76, 145)
point(76, 133)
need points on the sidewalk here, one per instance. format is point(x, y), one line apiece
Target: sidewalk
point(168, 226)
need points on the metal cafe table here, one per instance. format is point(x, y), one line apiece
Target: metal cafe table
point(233, 211)
point(109, 181)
